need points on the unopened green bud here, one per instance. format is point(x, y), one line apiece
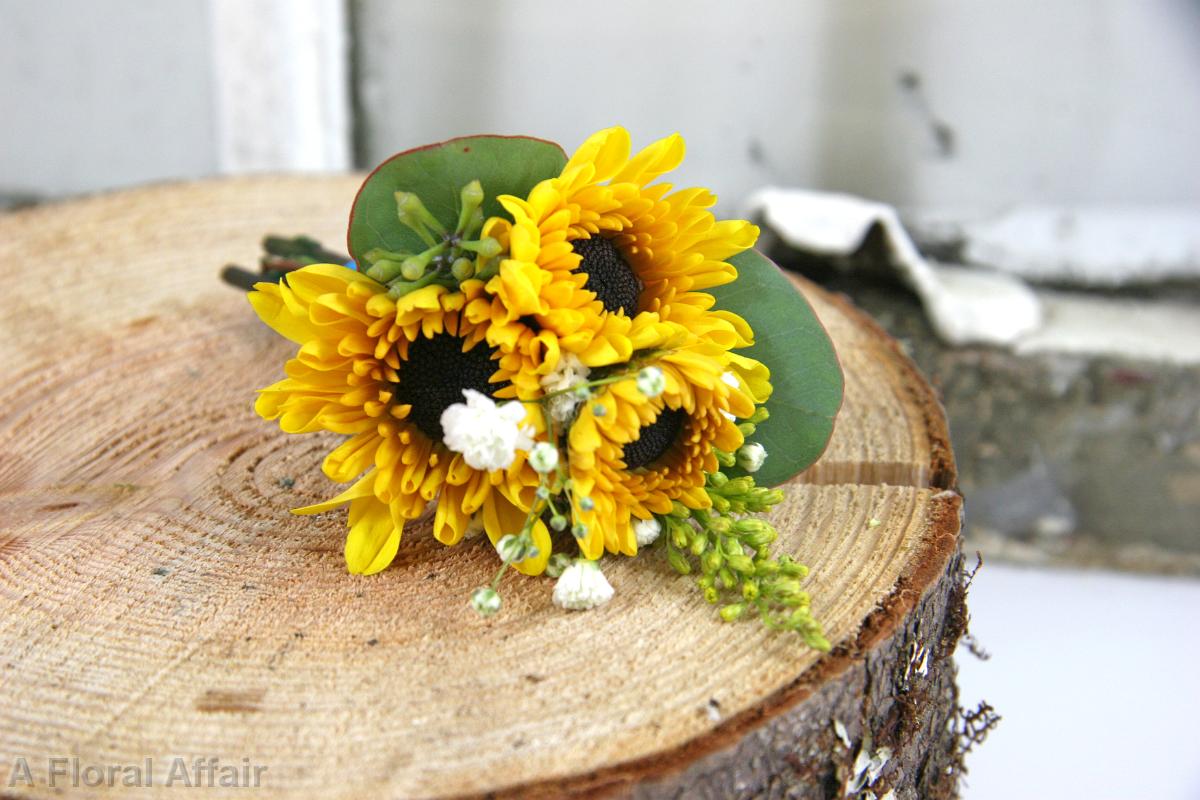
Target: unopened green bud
point(462, 269)
point(413, 268)
point(679, 510)
point(599, 410)
point(485, 248)
point(579, 530)
point(743, 565)
point(726, 578)
point(732, 611)
point(678, 562)
point(711, 562)
point(679, 537)
point(718, 479)
point(711, 595)
point(558, 522)
point(471, 194)
point(765, 568)
point(384, 270)
point(750, 590)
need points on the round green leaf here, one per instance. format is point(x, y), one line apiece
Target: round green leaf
point(805, 372)
point(437, 173)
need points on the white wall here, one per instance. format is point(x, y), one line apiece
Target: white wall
point(1056, 101)
point(104, 93)
point(1069, 101)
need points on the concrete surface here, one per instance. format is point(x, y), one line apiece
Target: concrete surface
point(1094, 676)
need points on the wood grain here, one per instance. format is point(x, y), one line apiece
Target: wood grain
point(158, 600)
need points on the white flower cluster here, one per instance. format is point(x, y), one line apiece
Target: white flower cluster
point(569, 372)
point(582, 586)
point(487, 435)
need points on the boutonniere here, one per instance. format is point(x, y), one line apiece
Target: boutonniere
point(570, 356)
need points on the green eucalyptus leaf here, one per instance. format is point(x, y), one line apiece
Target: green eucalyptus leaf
point(437, 173)
point(805, 372)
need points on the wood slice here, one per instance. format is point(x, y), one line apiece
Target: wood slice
point(157, 600)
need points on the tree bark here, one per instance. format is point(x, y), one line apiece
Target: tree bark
point(157, 600)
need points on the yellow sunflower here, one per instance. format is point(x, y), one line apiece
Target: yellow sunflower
point(382, 371)
point(594, 250)
point(642, 452)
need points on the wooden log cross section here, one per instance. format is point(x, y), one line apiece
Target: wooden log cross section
point(157, 600)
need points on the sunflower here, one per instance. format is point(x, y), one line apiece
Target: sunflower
point(382, 371)
point(640, 453)
point(601, 254)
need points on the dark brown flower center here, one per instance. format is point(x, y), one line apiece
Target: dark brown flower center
point(609, 274)
point(435, 375)
point(655, 439)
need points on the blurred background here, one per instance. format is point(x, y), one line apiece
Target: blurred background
point(1011, 188)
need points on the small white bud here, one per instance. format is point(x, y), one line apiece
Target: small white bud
point(651, 381)
point(485, 600)
point(646, 531)
point(750, 457)
point(587, 503)
point(582, 586)
point(543, 457)
point(511, 548)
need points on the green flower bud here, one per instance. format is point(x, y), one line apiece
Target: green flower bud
point(678, 562)
point(413, 268)
point(462, 269)
point(743, 565)
point(732, 611)
point(725, 576)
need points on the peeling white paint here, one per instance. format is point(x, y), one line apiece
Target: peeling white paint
point(969, 305)
point(964, 305)
point(1088, 245)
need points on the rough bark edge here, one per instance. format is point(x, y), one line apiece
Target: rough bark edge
point(932, 566)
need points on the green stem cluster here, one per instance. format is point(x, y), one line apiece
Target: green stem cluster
point(450, 257)
point(731, 555)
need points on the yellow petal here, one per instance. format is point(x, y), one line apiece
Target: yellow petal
point(374, 536)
